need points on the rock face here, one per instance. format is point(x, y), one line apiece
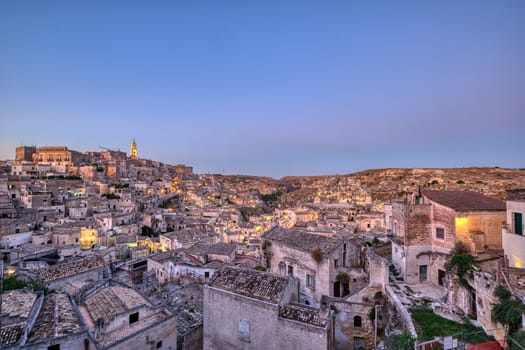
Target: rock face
point(382, 184)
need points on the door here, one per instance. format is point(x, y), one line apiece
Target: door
point(337, 289)
point(479, 242)
point(441, 277)
point(518, 223)
point(423, 273)
point(359, 343)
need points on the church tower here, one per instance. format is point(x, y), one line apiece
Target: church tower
point(133, 152)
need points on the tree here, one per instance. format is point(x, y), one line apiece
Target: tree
point(461, 263)
point(402, 341)
point(147, 231)
point(508, 310)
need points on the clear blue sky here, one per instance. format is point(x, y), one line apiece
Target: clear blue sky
point(268, 87)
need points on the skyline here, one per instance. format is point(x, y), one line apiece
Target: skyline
point(269, 89)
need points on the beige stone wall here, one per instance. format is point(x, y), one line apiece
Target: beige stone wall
point(469, 227)
point(324, 273)
point(515, 207)
point(345, 331)
point(514, 248)
point(223, 312)
point(165, 332)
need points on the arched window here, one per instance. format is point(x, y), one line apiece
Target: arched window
point(357, 321)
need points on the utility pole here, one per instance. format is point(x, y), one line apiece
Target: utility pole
point(375, 326)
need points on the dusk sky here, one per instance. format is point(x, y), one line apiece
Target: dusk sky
point(268, 87)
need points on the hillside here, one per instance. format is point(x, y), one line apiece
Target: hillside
point(385, 184)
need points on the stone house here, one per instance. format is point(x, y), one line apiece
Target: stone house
point(249, 309)
point(86, 270)
point(58, 326)
point(320, 263)
point(121, 318)
point(426, 230)
point(186, 238)
point(512, 235)
point(19, 310)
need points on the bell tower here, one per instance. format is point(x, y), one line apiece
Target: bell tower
point(133, 152)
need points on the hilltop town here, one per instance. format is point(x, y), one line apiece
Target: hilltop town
point(107, 250)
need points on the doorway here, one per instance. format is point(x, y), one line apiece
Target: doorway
point(423, 274)
point(441, 277)
point(337, 289)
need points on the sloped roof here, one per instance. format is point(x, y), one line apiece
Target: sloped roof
point(111, 301)
point(303, 314)
point(250, 283)
point(57, 318)
point(464, 200)
point(303, 240)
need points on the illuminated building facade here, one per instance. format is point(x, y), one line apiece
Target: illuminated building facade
point(133, 152)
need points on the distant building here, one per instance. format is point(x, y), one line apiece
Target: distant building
point(25, 153)
point(133, 151)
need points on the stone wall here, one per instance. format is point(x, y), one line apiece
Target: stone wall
point(480, 230)
point(234, 322)
point(346, 330)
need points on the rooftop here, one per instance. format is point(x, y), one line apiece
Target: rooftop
point(111, 301)
point(68, 269)
point(250, 283)
point(18, 303)
point(11, 334)
point(303, 314)
point(56, 318)
point(188, 235)
point(303, 240)
point(464, 200)
point(222, 249)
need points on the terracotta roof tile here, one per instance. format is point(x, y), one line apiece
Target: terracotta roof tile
point(464, 200)
point(250, 283)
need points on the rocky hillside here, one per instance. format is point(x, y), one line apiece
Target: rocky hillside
point(383, 184)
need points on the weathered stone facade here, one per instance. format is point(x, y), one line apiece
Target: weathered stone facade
point(426, 233)
point(315, 260)
point(247, 309)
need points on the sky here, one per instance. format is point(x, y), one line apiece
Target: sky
point(270, 88)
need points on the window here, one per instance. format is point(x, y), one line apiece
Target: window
point(440, 233)
point(290, 270)
point(336, 263)
point(206, 274)
point(517, 223)
point(309, 280)
point(282, 268)
point(244, 330)
point(54, 347)
point(358, 321)
point(159, 344)
point(134, 317)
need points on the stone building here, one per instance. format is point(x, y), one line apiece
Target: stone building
point(185, 238)
point(18, 311)
point(249, 309)
point(426, 230)
point(60, 158)
point(25, 153)
point(320, 263)
point(58, 326)
point(513, 238)
point(121, 318)
point(86, 270)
